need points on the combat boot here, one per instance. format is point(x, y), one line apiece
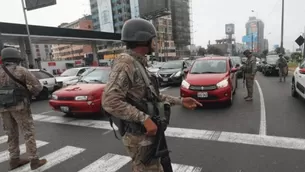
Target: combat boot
point(36, 163)
point(249, 99)
point(17, 162)
point(246, 97)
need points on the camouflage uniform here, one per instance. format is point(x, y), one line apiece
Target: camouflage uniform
point(126, 82)
point(250, 70)
point(19, 116)
point(282, 65)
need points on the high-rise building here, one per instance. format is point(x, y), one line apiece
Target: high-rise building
point(266, 44)
point(255, 29)
point(69, 52)
point(43, 51)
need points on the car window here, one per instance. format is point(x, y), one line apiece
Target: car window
point(97, 75)
point(209, 66)
point(302, 65)
point(230, 63)
point(80, 72)
point(41, 75)
point(70, 72)
point(177, 64)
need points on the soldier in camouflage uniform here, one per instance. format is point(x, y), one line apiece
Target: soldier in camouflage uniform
point(249, 70)
point(281, 63)
point(15, 117)
point(125, 82)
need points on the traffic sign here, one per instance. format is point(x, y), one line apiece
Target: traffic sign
point(300, 40)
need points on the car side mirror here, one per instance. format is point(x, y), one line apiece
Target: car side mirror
point(302, 71)
point(186, 71)
point(234, 70)
point(237, 65)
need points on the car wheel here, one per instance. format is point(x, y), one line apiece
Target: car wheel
point(293, 89)
point(44, 94)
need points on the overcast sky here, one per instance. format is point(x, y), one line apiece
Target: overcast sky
point(209, 17)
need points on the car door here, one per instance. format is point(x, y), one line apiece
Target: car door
point(232, 75)
point(300, 80)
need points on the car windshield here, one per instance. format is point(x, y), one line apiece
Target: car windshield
point(172, 65)
point(70, 72)
point(272, 59)
point(96, 75)
point(209, 66)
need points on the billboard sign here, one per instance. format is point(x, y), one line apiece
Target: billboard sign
point(36, 4)
point(248, 38)
point(150, 9)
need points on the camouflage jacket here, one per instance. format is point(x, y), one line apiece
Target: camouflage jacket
point(281, 62)
point(24, 76)
point(250, 66)
point(125, 81)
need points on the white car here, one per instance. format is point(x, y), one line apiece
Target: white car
point(70, 75)
point(298, 81)
point(47, 80)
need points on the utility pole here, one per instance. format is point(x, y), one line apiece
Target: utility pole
point(252, 46)
point(282, 28)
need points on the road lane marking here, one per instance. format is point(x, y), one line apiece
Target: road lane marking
point(3, 139)
point(53, 159)
point(262, 125)
point(4, 155)
point(220, 136)
point(107, 163)
point(164, 89)
point(113, 162)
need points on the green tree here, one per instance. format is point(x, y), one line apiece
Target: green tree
point(296, 56)
point(215, 50)
point(265, 52)
point(202, 51)
point(278, 50)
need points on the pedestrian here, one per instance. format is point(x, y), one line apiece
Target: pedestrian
point(281, 63)
point(126, 85)
point(249, 70)
point(17, 83)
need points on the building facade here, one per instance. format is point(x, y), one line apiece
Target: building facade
point(266, 44)
point(69, 51)
point(43, 51)
point(255, 29)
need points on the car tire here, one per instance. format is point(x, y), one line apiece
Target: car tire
point(230, 102)
point(44, 94)
point(293, 89)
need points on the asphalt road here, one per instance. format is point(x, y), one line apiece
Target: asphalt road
point(266, 135)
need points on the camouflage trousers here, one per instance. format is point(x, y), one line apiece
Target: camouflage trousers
point(283, 73)
point(249, 84)
point(136, 147)
point(12, 122)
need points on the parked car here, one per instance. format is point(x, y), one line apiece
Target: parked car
point(171, 72)
point(210, 79)
point(155, 67)
point(47, 80)
point(269, 67)
point(70, 75)
point(83, 97)
point(237, 62)
point(298, 81)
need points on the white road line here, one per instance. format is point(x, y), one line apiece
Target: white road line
point(228, 137)
point(163, 89)
point(107, 163)
point(4, 156)
point(263, 125)
point(113, 162)
point(3, 139)
point(53, 159)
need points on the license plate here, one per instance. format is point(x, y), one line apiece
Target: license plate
point(202, 94)
point(64, 108)
point(165, 79)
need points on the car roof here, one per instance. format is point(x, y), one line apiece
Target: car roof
point(213, 57)
point(34, 70)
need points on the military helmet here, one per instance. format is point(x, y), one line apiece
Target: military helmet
point(246, 52)
point(138, 30)
point(10, 53)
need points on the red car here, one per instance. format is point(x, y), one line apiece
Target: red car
point(210, 79)
point(83, 97)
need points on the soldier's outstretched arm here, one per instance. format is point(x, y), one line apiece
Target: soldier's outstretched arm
point(32, 83)
point(114, 96)
point(170, 99)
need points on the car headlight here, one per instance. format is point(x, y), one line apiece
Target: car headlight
point(54, 97)
point(81, 98)
point(223, 83)
point(185, 84)
point(177, 74)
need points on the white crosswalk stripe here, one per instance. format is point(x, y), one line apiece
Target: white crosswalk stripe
point(107, 163)
point(4, 156)
point(53, 159)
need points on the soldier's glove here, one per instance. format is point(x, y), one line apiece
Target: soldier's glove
point(151, 127)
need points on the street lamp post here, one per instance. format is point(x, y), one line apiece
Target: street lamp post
point(282, 28)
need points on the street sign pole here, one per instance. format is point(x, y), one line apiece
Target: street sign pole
point(30, 59)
